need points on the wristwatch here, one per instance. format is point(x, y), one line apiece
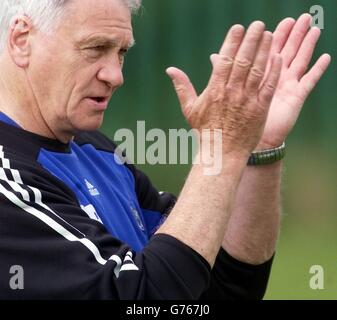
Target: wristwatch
point(267, 156)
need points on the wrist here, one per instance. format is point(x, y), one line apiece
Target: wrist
point(215, 157)
point(220, 164)
point(266, 145)
point(270, 142)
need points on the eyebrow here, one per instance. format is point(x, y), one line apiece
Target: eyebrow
point(99, 41)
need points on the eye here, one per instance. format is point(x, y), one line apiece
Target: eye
point(123, 52)
point(96, 51)
point(99, 48)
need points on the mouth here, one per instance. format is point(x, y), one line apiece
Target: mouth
point(99, 102)
point(98, 99)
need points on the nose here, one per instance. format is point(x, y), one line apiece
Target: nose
point(111, 73)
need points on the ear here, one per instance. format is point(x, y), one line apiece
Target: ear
point(18, 40)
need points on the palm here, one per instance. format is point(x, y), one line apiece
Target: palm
point(285, 108)
point(296, 45)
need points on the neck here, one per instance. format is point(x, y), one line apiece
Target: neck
point(20, 104)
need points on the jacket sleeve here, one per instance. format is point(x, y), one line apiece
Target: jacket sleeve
point(230, 278)
point(66, 255)
point(234, 280)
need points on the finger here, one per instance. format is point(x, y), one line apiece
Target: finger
point(233, 41)
point(280, 37)
point(184, 89)
point(310, 80)
point(295, 39)
point(222, 67)
point(300, 64)
point(257, 71)
point(268, 89)
point(281, 34)
point(223, 62)
point(246, 54)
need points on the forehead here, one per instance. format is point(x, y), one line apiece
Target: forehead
point(104, 18)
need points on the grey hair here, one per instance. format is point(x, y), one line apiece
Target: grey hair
point(43, 13)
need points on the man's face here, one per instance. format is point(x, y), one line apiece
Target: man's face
point(74, 71)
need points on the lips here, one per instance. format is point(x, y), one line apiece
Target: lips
point(99, 102)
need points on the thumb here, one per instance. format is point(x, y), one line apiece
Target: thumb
point(184, 89)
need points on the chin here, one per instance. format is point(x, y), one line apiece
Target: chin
point(92, 123)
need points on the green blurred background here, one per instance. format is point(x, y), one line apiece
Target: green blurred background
point(184, 33)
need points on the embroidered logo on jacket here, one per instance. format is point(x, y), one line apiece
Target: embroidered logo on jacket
point(137, 218)
point(91, 212)
point(92, 190)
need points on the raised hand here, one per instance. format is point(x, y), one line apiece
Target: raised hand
point(295, 41)
point(235, 99)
